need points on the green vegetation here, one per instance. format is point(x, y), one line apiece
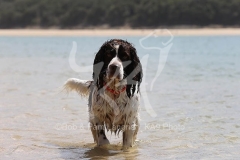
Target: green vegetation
point(115, 13)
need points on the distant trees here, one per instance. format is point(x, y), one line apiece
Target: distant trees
point(114, 13)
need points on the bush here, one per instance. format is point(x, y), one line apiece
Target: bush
point(115, 13)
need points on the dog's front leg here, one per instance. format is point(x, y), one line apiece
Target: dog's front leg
point(128, 137)
point(102, 138)
point(136, 130)
point(94, 132)
point(98, 132)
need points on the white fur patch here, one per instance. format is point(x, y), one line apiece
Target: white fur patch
point(117, 47)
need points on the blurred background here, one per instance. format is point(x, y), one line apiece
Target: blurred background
point(118, 13)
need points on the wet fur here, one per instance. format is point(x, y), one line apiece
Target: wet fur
point(114, 113)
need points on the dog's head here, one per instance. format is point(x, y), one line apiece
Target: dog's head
point(117, 60)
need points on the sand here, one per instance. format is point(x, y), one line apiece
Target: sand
point(118, 32)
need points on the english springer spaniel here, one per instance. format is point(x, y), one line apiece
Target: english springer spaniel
point(114, 92)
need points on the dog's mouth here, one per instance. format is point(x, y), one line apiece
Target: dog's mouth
point(115, 77)
point(115, 81)
point(114, 74)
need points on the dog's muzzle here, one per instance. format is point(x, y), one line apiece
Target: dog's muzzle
point(114, 71)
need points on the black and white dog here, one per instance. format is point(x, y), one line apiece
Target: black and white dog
point(114, 92)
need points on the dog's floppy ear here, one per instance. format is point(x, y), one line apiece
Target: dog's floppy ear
point(98, 69)
point(134, 72)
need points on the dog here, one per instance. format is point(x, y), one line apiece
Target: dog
point(114, 92)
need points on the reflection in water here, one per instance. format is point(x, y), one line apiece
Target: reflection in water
point(91, 151)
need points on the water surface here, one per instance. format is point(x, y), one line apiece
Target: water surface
point(196, 99)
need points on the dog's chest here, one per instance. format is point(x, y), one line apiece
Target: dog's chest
point(114, 111)
point(108, 107)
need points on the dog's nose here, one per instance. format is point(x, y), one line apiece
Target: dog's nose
point(114, 67)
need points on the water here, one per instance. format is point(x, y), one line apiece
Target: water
point(196, 99)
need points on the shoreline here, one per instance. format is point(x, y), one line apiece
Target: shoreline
point(119, 32)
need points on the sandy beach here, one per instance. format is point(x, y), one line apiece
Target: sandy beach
point(118, 32)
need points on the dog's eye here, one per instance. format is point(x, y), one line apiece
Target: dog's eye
point(124, 56)
point(108, 54)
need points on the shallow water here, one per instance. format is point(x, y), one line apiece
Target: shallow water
point(196, 99)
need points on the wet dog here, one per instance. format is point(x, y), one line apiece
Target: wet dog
point(114, 92)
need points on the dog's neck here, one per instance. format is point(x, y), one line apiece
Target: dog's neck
point(112, 83)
